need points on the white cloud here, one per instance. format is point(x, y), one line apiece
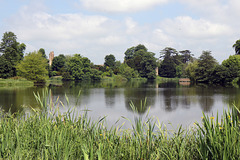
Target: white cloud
point(95, 36)
point(92, 36)
point(190, 28)
point(120, 5)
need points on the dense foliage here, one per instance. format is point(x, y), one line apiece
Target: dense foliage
point(11, 54)
point(138, 63)
point(33, 67)
point(142, 61)
point(236, 46)
point(79, 69)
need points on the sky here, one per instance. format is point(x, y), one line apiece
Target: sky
point(96, 28)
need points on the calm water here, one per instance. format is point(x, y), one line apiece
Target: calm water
point(169, 102)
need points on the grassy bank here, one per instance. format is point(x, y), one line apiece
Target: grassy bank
point(48, 134)
point(120, 78)
point(163, 79)
point(15, 82)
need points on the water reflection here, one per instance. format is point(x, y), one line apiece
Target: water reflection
point(110, 95)
point(138, 96)
point(113, 99)
point(15, 99)
point(206, 100)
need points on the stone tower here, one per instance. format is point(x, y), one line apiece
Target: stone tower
point(51, 56)
point(156, 71)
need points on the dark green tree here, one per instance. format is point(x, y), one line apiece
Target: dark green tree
point(58, 63)
point(42, 51)
point(206, 65)
point(6, 68)
point(142, 61)
point(11, 54)
point(110, 61)
point(236, 46)
point(170, 61)
point(129, 53)
point(186, 56)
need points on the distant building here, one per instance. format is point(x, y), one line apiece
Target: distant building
point(51, 56)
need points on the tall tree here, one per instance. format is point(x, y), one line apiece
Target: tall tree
point(110, 61)
point(42, 51)
point(12, 53)
point(236, 46)
point(206, 65)
point(142, 61)
point(33, 67)
point(170, 61)
point(186, 56)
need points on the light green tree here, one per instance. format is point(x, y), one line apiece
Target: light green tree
point(191, 70)
point(33, 67)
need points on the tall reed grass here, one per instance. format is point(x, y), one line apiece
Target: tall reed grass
point(49, 134)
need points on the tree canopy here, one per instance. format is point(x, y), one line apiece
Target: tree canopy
point(33, 67)
point(110, 61)
point(142, 61)
point(42, 51)
point(206, 65)
point(58, 63)
point(79, 69)
point(12, 53)
point(168, 67)
point(236, 46)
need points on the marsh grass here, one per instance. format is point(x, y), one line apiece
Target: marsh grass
point(49, 134)
point(15, 82)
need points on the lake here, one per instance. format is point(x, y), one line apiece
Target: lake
point(173, 104)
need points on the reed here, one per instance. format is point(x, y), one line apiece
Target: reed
point(49, 134)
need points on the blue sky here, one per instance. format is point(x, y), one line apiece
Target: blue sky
point(96, 28)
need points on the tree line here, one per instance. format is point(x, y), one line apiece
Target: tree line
point(138, 63)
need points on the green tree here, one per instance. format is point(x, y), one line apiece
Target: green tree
point(33, 67)
point(191, 70)
point(186, 56)
point(142, 61)
point(236, 46)
point(58, 63)
point(127, 72)
point(170, 61)
point(110, 61)
point(12, 53)
point(220, 75)
point(231, 68)
point(206, 65)
point(79, 69)
point(42, 51)
point(6, 68)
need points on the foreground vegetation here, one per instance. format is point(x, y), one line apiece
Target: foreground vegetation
point(49, 134)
